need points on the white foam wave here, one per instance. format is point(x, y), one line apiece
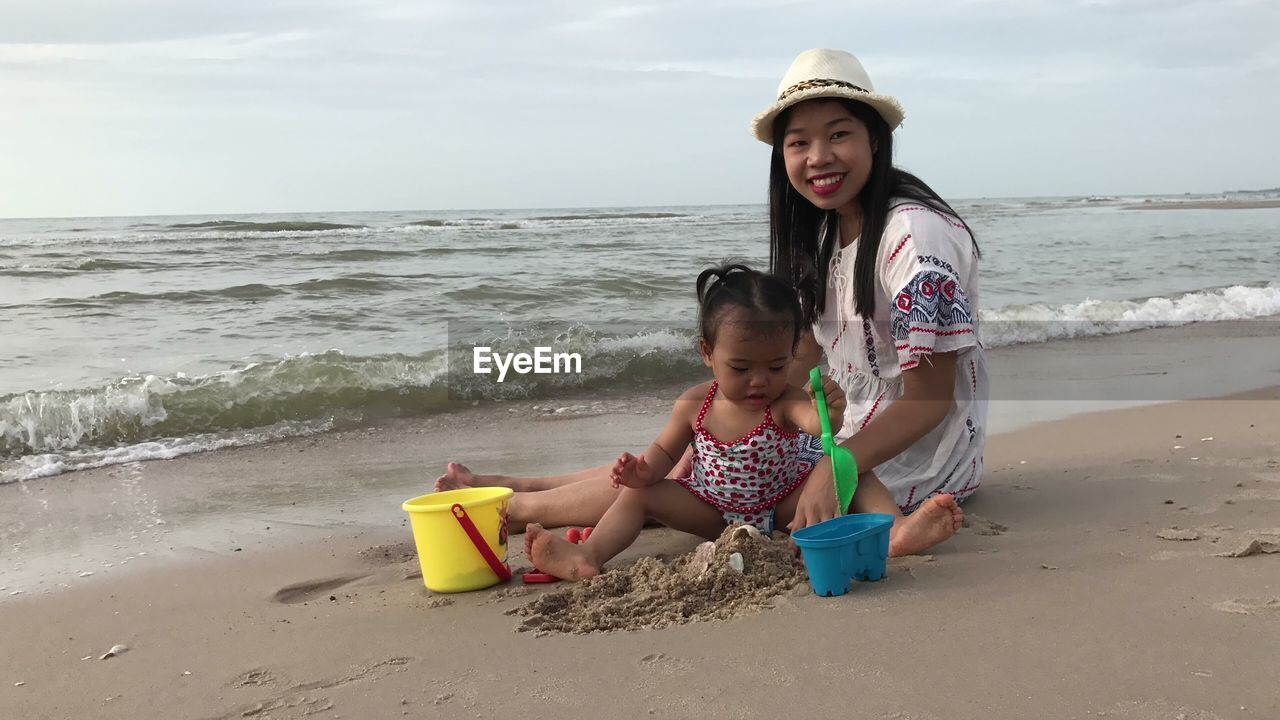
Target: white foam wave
point(60, 420)
point(647, 343)
point(32, 467)
point(1018, 324)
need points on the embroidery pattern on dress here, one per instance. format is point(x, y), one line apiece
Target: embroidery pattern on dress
point(930, 299)
point(950, 220)
point(937, 262)
point(898, 249)
point(870, 341)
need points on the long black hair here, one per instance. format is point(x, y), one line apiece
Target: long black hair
point(802, 237)
point(769, 298)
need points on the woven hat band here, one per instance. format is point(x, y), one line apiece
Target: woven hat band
point(817, 83)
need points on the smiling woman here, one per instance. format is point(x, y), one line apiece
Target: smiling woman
point(890, 271)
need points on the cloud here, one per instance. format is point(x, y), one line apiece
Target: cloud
point(231, 46)
point(414, 100)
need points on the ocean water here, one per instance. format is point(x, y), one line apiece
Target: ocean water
point(151, 337)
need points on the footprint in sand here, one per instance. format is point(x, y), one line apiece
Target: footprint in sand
point(257, 677)
point(658, 668)
point(392, 554)
point(303, 699)
point(982, 526)
point(312, 589)
point(1248, 606)
point(1177, 533)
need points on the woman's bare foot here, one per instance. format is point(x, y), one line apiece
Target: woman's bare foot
point(556, 556)
point(937, 519)
point(456, 476)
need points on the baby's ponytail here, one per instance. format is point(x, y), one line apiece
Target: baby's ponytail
point(769, 299)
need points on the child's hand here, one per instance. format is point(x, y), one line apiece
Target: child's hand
point(836, 400)
point(632, 472)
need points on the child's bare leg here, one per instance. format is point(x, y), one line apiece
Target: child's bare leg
point(457, 475)
point(581, 503)
point(936, 520)
point(667, 501)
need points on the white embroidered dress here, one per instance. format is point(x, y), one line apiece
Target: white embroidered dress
point(926, 302)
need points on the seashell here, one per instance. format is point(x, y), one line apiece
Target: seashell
point(742, 532)
point(735, 562)
point(114, 651)
point(701, 560)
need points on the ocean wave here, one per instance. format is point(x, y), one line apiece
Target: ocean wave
point(475, 248)
point(79, 265)
point(43, 432)
point(280, 226)
point(360, 283)
point(465, 222)
point(109, 264)
point(613, 216)
point(31, 467)
point(39, 271)
point(251, 291)
point(636, 286)
point(330, 388)
point(493, 293)
point(1017, 324)
point(344, 285)
point(137, 409)
point(355, 255)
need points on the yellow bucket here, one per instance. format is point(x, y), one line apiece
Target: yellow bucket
point(450, 561)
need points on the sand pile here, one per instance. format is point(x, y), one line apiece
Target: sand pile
point(653, 593)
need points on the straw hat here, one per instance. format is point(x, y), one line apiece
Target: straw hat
point(825, 73)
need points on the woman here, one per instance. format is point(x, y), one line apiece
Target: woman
point(887, 275)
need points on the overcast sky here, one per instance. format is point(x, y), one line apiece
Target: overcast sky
point(120, 107)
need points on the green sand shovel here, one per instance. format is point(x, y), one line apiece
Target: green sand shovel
point(843, 467)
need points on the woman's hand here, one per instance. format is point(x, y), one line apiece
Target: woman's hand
point(836, 400)
point(817, 500)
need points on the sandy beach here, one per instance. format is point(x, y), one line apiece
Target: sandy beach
point(1120, 562)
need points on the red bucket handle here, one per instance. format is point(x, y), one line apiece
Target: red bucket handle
point(498, 567)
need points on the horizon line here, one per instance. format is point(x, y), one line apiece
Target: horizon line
point(1100, 196)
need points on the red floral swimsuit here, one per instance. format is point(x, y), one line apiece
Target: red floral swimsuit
point(745, 479)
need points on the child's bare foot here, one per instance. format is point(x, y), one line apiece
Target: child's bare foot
point(456, 476)
point(937, 519)
point(556, 556)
